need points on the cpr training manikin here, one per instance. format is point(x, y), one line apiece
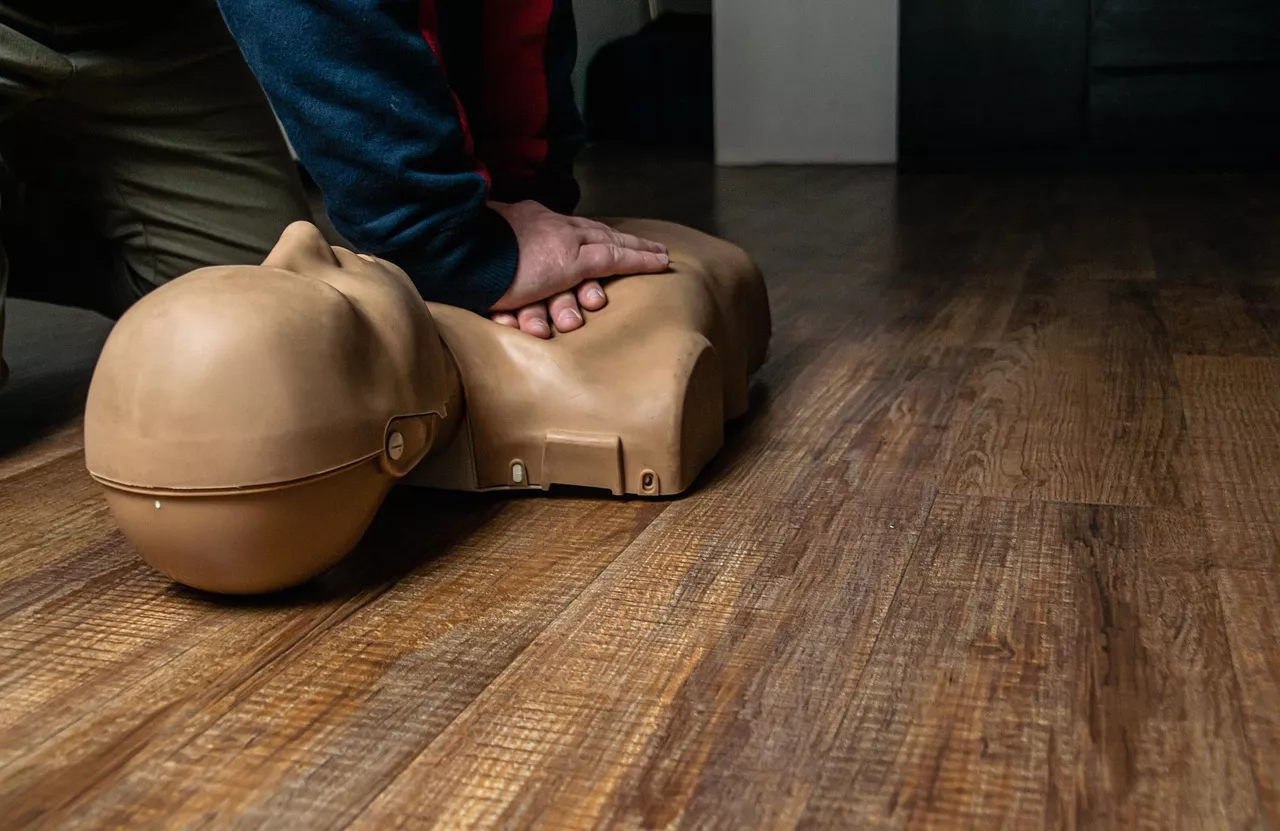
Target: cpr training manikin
point(247, 422)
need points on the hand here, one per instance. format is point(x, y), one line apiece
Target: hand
point(562, 258)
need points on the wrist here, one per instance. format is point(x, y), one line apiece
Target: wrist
point(471, 265)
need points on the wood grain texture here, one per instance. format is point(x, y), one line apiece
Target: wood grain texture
point(1233, 418)
point(730, 603)
point(1035, 670)
point(1251, 606)
point(1069, 409)
point(1204, 320)
point(996, 548)
point(235, 701)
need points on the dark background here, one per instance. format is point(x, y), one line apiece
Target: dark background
point(1089, 83)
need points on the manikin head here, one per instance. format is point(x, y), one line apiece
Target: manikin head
point(247, 421)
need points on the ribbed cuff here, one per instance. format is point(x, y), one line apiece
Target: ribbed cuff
point(470, 266)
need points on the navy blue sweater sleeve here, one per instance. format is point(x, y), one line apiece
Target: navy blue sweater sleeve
point(369, 112)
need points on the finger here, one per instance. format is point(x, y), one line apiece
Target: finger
point(564, 311)
point(632, 241)
point(611, 260)
point(506, 319)
point(591, 296)
point(533, 320)
point(585, 222)
point(607, 236)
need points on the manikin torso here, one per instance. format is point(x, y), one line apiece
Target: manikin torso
point(246, 422)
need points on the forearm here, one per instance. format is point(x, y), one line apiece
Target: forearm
point(370, 113)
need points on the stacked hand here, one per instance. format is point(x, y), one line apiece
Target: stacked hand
point(562, 260)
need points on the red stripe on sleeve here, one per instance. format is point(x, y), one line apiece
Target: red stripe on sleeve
point(516, 104)
point(428, 24)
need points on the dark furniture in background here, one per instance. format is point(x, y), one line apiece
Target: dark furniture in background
point(654, 89)
point(1089, 83)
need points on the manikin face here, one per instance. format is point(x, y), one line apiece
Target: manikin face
point(302, 250)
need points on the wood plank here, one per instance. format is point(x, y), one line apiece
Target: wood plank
point(1096, 231)
point(1233, 417)
point(1214, 231)
point(1244, 546)
point(55, 439)
point(780, 580)
point(611, 714)
point(951, 709)
point(1262, 305)
point(1233, 399)
point(1215, 320)
point(771, 212)
point(169, 706)
point(1080, 403)
point(1251, 607)
point(1037, 669)
point(53, 513)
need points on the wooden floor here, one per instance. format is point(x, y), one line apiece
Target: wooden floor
point(997, 549)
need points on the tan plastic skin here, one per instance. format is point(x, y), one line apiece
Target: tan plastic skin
point(247, 422)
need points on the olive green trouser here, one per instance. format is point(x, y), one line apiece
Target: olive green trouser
point(137, 147)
